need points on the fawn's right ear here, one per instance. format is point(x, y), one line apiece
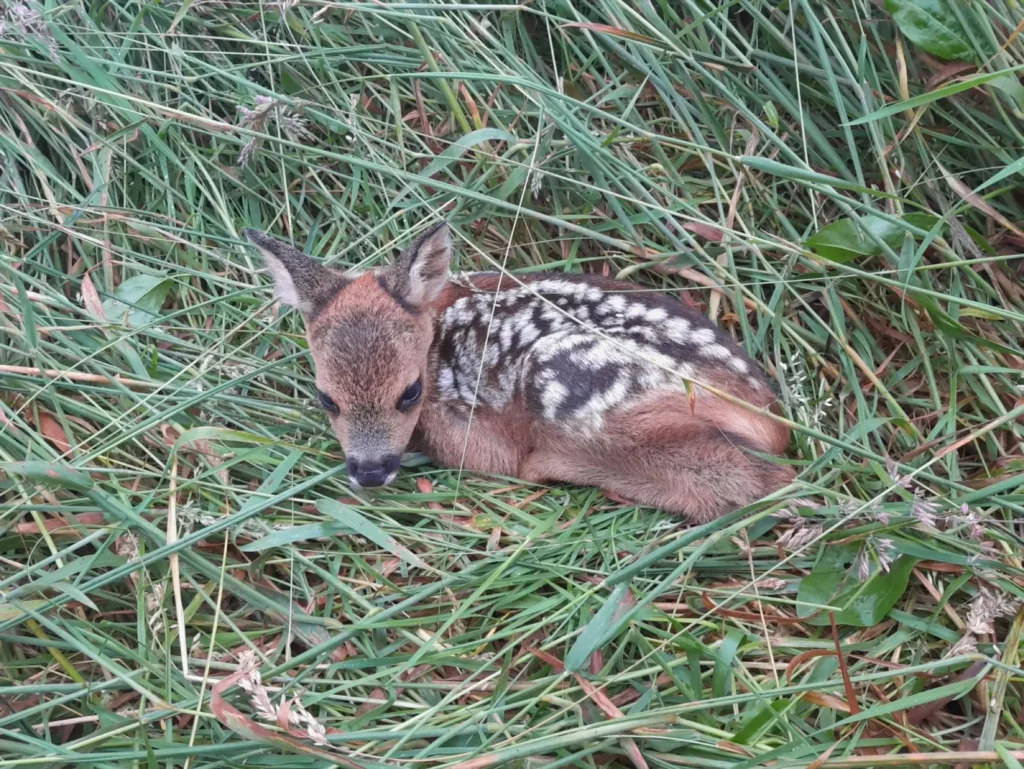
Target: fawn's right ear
point(421, 271)
point(298, 280)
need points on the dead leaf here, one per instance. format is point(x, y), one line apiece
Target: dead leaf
point(366, 707)
point(706, 231)
point(52, 430)
point(803, 657)
point(548, 659)
point(820, 760)
point(608, 707)
point(977, 201)
point(947, 72)
point(748, 616)
point(424, 486)
point(614, 31)
point(61, 525)
point(91, 299)
point(205, 448)
point(827, 701)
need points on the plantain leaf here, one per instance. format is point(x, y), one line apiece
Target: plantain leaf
point(860, 604)
point(932, 25)
point(138, 300)
point(844, 241)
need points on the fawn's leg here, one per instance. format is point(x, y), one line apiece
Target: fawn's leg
point(484, 444)
point(701, 473)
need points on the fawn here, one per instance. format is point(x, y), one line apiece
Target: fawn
point(548, 378)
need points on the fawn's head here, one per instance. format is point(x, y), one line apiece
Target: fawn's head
point(370, 337)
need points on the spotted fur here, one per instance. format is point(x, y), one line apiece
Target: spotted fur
point(550, 377)
point(574, 347)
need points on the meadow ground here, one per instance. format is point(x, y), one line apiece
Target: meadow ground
point(836, 183)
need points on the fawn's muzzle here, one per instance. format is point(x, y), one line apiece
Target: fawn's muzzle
point(373, 472)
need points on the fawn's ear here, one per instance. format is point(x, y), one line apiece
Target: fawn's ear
point(419, 274)
point(298, 280)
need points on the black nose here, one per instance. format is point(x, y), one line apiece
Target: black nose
point(372, 472)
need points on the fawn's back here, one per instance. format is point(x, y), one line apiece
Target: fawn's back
point(577, 347)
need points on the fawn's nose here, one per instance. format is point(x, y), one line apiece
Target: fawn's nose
point(368, 472)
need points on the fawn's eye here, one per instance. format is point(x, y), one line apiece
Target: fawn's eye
point(411, 396)
point(326, 402)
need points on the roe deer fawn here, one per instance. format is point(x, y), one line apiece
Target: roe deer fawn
point(550, 378)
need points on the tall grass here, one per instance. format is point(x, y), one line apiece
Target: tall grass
point(178, 552)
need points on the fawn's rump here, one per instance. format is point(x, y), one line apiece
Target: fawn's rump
point(701, 463)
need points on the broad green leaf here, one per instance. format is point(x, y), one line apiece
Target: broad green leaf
point(844, 241)
point(595, 631)
point(932, 25)
point(138, 300)
point(858, 604)
point(48, 474)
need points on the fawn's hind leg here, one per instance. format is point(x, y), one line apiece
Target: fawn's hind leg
point(698, 471)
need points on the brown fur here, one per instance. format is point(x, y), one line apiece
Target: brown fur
point(373, 337)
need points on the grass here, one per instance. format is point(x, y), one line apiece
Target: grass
point(172, 518)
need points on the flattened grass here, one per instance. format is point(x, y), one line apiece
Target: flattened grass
point(170, 497)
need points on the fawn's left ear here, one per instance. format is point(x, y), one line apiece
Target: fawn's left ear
point(419, 274)
point(298, 280)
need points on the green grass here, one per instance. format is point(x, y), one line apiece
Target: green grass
point(173, 499)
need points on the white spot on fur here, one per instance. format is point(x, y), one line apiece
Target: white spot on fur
point(528, 334)
point(552, 396)
point(615, 303)
point(716, 352)
point(739, 365)
point(677, 330)
point(507, 334)
point(593, 410)
point(446, 384)
point(636, 311)
point(702, 336)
